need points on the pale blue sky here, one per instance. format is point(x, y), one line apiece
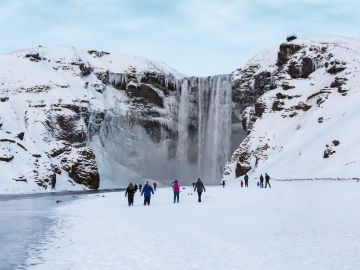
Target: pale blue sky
point(196, 37)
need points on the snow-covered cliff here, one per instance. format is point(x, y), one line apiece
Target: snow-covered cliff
point(302, 118)
point(74, 119)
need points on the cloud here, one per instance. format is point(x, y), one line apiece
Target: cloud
point(196, 37)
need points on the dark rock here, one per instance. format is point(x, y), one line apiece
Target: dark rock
point(36, 155)
point(241, 169)
point(20, 179)
point(287, 87)
point(7, 140)
point(335, 142)
point(85, 69)
point(35, 57)
point(57, 169)
point(96, 53)
point(20, 135)
point(291, 38)
point(321, 119)
point(277, 105)
point(59, 201)
point(336, 69)
point(259, 108)
point(328, 152)
point(20, 145)
point(285, 51)
point(338, 82)
point(308, 67)
point(262, 81)
point(3, 99)
point(281, 96)
point(146, 94)
point(294, 70)
point(84, 170)
point(302, 106)
point(6, 158)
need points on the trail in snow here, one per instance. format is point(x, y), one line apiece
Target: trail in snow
point(297, 225)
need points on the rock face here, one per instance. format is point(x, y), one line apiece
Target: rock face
point(291, 100)
point(86, 119)
point(90, 119)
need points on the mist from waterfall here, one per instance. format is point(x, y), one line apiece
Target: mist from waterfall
point(201, 147)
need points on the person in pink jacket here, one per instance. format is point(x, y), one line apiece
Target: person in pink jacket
point(176, 189)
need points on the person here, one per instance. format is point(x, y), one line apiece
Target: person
point(155, 185)
point(267, 180)
point(193, 184)
point(176, 189)
point(223, 183)
point(246, 178)
point(241, 183)
point(136, 187)
point(199, 186)
point(261, 181)
point(140, 187)
point(258, 183)
point(147, 190)
point(129, 193)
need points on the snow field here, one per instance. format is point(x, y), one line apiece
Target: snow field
point(294, 225)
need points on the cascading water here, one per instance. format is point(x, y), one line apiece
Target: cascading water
point(198, 146)
point(208, 127)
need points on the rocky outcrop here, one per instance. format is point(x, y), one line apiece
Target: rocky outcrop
point(293, 87)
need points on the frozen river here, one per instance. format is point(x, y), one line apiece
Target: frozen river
point(26, 225)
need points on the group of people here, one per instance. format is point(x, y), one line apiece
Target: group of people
point(198, 186)
point(260, 183)
point(267, 181)
point(148, 190)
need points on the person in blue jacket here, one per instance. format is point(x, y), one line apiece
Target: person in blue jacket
point(147, 190)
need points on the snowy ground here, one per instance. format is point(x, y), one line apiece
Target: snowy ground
point(294, 225)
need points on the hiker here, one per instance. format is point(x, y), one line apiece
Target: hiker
point(176, 189)
point(258, 184)
point(147, 190)
point(223, 183)
point(261, 181)
point(199, 186)
point(136, 187)
point(193, 184)
point(246, 178)
point(140, 187)
point(267, 180)
point(155, 185)
point(241, 183)
point(130, 191)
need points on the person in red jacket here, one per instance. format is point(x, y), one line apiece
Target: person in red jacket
point(241, 183)
point(176, 189)
point(155, 185)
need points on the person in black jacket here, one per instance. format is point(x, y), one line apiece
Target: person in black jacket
point(136, 187)
point(140, 187)
point(130, 191)
point(246, 178)
point(267, 180)
point(199, 186)
point(261, 181)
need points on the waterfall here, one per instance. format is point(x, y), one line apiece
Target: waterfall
point(197, 144)
point(183, 120)
point(211, 119)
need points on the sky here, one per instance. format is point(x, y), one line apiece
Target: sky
point(196, 37)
